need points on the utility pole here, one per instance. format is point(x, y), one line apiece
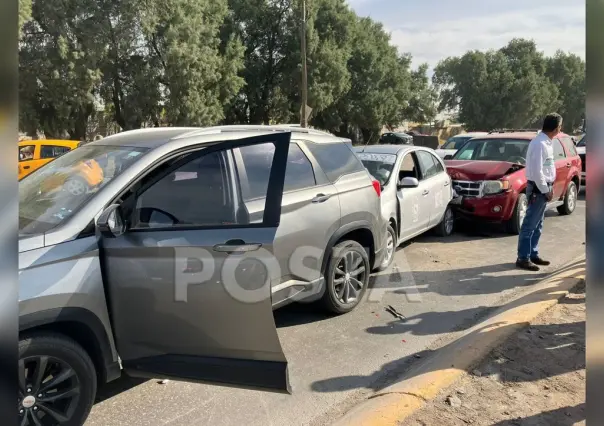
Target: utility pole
point(304, 88)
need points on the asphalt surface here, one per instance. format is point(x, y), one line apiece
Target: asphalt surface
point(335, 362)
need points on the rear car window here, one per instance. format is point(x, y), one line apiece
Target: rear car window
point(336, 159)
point(257, 160)
point(569, 145)
point(53, 151)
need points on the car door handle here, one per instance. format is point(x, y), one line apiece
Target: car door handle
point(568, 165)
point(236, 246)
point(426, 192)
point(26, 167)
point(447, 183)
point(319, 198)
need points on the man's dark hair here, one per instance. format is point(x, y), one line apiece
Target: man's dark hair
point(551, 122)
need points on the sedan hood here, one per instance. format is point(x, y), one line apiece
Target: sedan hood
point(480, 170)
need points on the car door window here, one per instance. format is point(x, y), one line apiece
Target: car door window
point(299, 173)
point(26, 152)
point(52, 151)
point(569, 145)
point(558, 150)
point(437, 165)
point(427, 165)
point(408, 167)
point(257, 160)
point(336, 159)
point(196, 194)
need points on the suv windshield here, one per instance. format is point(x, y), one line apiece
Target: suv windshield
point(512, 150)
point(54, 192)
point(379, 165)
point(455, 142)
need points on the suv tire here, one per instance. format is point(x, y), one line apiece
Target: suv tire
point(343, 279)
point(390, 249)
point(515, 223)
point(447, 224)
point(570, 199)
point(61, 357)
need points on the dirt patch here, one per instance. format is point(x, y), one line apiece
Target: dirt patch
point(536, 378)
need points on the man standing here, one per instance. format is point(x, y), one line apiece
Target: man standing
point(540, 174)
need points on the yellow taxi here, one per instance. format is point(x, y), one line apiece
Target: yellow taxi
point(35, 153)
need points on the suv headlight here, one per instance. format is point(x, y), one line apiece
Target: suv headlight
point(490, 187)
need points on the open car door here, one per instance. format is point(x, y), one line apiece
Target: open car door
point(188, 275)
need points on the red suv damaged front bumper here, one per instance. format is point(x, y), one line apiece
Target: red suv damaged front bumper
point(491, 208)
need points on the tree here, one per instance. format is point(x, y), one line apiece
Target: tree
point(380, 85)
point(58, 69)
point(423, 98)
point(504, 88)
point(567, 72)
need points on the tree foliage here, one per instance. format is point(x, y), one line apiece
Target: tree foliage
point(513, 87)
point(138, 63)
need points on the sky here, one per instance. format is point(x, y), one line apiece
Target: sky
point(432, 30)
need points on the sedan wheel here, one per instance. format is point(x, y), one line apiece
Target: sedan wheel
point(389, 249)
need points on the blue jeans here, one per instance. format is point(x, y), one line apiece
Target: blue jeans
point(530, 232)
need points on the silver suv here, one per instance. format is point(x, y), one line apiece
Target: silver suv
point(174, 252)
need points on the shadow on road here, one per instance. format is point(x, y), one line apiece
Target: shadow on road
point(565, 416)
point(411, 365)
point(116, 387)
point(488, 279)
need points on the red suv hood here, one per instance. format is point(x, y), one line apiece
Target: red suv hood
point(480, 170)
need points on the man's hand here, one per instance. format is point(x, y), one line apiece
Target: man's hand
point(550, 195)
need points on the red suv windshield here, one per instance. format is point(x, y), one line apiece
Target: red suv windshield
point(512, 150)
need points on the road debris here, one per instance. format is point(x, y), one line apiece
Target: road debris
point(391, 310)
point(453, 401)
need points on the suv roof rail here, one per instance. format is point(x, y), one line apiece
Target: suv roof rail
point(252, 127)
point(512, 130)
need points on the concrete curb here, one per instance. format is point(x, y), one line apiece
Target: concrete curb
point(397, 402)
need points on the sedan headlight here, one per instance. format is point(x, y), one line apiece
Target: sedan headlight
point(490, 187)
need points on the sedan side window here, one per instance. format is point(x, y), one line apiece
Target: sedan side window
point(427, 166)
point(570, 146)
point(558, 150)
point(408, 167)
point(198, 193)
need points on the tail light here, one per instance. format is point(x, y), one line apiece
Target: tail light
point(377, 187)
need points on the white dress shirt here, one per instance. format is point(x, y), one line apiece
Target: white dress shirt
point(540, 166)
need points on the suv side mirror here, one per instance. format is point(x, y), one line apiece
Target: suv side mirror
point(408, 182)
point(111, 222)
point(448, 157)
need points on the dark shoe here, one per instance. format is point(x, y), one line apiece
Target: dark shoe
point(527, 264)
point(538, 261)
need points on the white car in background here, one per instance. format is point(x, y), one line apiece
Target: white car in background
point(452, 144)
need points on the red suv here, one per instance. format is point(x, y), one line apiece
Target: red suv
point(489, 179)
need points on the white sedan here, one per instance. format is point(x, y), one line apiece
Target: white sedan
point(452, 144)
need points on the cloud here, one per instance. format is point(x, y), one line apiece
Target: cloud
point(551, 28)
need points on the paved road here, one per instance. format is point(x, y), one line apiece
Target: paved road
point(335, 362)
